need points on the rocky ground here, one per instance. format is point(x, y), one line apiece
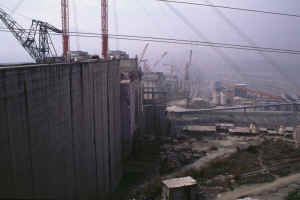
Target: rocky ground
point(221, 165)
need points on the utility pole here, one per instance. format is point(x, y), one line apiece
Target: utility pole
point(104, 22)
point(65, 26)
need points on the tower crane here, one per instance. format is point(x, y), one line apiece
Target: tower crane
point(104, 22)
point(143, 54)
point(187, 85)
point(146, 67)
point(160, 59)
point(36, 41)
point(65, 25)
point(187, 67)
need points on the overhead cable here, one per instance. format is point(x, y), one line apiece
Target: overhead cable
point(231, 8)
point(178, 41)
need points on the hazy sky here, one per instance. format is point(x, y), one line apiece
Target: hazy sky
point(153, 18)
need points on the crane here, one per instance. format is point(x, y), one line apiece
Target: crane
point(65, 25)
point(143, 53)
point(187, 67)
point(36, 41)
point(146, 67)
point(104, 22)
point(160, 59)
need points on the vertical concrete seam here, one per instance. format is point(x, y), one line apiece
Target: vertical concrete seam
point(73, 134)
point(91, 72)
point(108, 127)
point(9, 136)
point(29, 134)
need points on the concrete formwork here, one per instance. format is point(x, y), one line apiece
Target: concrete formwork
point(60, 131)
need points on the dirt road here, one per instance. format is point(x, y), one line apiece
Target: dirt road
point(276, 190)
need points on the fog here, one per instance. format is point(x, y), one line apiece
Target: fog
point(154, 18)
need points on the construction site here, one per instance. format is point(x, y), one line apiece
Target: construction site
point(143, 115)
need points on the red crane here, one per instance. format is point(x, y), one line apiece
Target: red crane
point(104, 21)
point(65, 25)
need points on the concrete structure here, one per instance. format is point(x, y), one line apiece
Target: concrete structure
point(154, 88)
point(240, 90)
point(261, 119)
point(60, 131)
point(179, 189)
point(239, 131)
point(297, 136)
point(216, 97)
point(131, 112)
point(116, 54)
point(200, 129)
point(198, 102)
point(171, 86)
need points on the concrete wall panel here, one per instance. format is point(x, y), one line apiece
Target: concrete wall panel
point(18, 133)
point(59, 131)
point(6, 168)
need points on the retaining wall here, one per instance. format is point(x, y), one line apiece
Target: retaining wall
point(60, 131)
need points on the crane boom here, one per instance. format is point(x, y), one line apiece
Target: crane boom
point(104, 21)
point(143, 53)
point(161, 58)
point(37, 41)
point(65, 25)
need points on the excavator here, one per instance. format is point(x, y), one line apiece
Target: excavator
point(36, 41)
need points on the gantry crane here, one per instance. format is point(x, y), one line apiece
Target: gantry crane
point(65, 26)
point(36, 41)
point(104, 22)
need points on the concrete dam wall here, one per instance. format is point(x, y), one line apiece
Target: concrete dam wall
point(60, 131)
point(263, 119)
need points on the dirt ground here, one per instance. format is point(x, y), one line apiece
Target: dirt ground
point(226, 167)
point(276, 190)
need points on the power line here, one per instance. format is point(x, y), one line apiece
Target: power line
point(14, 12)
point(243, 35)
point(17, 6)
point(231, 8)
point(176, 41)
point(227, 59)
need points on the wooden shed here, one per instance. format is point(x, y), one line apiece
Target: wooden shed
point(179, 189)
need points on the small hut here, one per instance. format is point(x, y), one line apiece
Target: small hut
point(179, 189)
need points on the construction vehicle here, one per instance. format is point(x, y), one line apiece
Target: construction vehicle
point(36, 40)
